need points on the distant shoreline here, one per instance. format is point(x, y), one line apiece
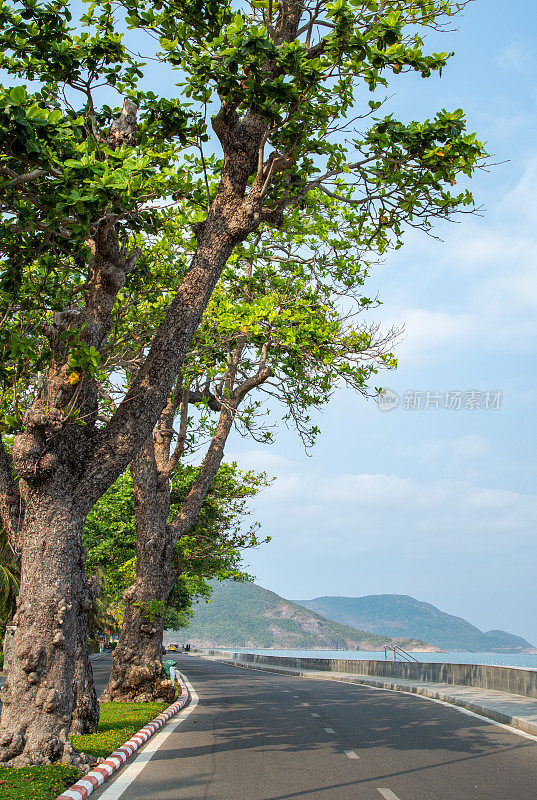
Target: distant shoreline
point(520, 660)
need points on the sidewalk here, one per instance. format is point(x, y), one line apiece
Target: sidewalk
point(509, 709)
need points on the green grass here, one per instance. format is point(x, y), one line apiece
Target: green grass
point(36, 783)
point(119, 721)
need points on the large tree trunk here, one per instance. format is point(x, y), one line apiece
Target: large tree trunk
point(49, 456)
point(136, 670)
point(137, 666)
point(85, 718)
point(37, 699)
point(63, 469)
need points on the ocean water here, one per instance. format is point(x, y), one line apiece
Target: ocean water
point(528, 661)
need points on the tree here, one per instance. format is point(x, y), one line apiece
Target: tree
point(274, 329)
point(212, 549)
point(82, 183)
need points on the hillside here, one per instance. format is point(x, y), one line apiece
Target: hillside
point(401, 615)
point(246, 615)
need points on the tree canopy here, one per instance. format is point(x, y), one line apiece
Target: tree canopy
point(213, 548)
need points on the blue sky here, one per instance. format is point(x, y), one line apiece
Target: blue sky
point(438, 504)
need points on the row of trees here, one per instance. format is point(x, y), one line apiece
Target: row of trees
point(176, 266)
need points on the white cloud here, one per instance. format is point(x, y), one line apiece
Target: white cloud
point(485, 285)
point(516, 57)
point(520, 202)
point(445, 449)
point(460, 543)
point(492, 500)
point(505, 126)
point(427, 331)
point(426, 505)
point(363, 528)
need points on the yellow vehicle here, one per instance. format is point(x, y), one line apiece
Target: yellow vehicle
point(173, 648)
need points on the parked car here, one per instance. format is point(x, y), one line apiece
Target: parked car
point(173, 647)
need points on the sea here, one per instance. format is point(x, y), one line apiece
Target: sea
point(526, 661)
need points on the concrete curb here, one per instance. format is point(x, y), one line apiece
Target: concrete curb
point(86, 785)
point(377, 683)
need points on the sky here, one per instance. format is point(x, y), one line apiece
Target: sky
point(437, 503)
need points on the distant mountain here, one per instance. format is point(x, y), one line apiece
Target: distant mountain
point(246, 615)
point(401, 615)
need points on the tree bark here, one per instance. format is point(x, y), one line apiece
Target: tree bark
point(85, 718)
point(37, 699)
point(137, 665)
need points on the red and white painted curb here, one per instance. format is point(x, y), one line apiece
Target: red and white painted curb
point(86, 785)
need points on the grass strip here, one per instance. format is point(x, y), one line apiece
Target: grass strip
point(36, 783)
point(118, 722)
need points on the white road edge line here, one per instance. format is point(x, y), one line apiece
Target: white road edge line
point(388, 794)
point(130, 772)
point(329, 730)
point(351, 754)
point(461, 709)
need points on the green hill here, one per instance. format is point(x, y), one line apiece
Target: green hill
point(246, 615)
point(401, 615)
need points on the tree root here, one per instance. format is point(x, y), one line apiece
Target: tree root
point(150, 691)
point(44, 753)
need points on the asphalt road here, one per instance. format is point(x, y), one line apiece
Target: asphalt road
point(261, 736)
point(101, 665)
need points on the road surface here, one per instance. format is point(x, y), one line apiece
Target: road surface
point(101, 664)
point(262, 736)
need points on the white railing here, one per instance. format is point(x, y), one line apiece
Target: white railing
point(397, 652)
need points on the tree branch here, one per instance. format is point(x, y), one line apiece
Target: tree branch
point(11, 506)
point(207, 472)
point(196, 396)
point(263, 374)
point(181, 439)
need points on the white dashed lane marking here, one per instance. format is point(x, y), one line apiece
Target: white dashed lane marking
point(388, 794)
point(352, 754)
point(329, 730)
point(314, 715)
point(305, 704)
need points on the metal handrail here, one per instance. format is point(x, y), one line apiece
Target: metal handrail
point(398, 651)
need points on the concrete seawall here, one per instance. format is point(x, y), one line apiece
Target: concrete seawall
point(502, 679)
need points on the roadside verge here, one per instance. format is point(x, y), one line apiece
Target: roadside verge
point(97, 776)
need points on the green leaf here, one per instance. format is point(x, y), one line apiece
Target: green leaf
point(18, 95)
